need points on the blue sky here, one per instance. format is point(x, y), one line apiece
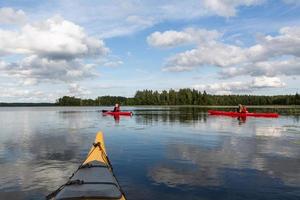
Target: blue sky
point(93, 48)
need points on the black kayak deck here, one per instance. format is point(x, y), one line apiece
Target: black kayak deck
point(93, 181)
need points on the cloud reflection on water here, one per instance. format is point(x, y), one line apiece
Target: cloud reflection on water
point(274, 159)
point(262, 145)
point(185, 150)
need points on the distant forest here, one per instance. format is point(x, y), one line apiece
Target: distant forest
point(181, 97)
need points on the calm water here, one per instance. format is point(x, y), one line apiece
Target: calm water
point(159, 153)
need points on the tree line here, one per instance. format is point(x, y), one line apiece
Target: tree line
point(181, 97)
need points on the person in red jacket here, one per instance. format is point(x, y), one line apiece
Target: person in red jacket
point(242, 109)
point(117, 108)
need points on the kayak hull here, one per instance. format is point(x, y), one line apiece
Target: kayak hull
point(236, 114)
point(118, 113)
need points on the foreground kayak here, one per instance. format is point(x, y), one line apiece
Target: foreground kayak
point(237, 114)
point(94, 179)
point(117, 113)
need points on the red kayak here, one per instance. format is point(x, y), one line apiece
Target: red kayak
point(237, 114)
point(117, 113)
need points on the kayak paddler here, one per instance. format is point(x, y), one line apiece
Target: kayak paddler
point(242, 109)
point(117, 108)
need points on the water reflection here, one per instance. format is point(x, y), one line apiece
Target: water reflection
point(224, 152)
point(150, 117)
point(159, 153)
point(35, 165)
point(210, 164)
point(242, 120)
point(116, 118)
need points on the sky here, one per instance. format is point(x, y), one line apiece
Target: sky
point(86, 49)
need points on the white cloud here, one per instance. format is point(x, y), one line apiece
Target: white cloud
point(11, 16)
point(20, 94)
point(241, 87)
point(168, 39)
point(113, 63)
point(223, 88)
point(227, 8)
point(55, 38)
point(107, 86)
point(110, 61)
point(285, 43)
point(118, 27)
point(76, 90)
point(132, 16)
point(270, 56)
point(2, 64)
point(217, 54)
point(50, 50)
point(140, 21)
point(175, 38)
point(12, 92)
point(266, 82)
point(29, 81)
point(288, 67)
point(34, 69)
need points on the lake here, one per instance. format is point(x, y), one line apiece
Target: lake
point(158, 153)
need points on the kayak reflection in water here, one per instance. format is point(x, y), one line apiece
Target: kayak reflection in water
point(242, 109)
point(117, 119)
point(241, 120)
point(117, 108)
